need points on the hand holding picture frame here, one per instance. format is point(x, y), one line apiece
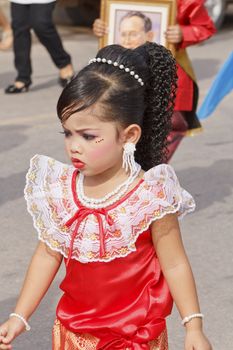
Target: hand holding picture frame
point(133, 22)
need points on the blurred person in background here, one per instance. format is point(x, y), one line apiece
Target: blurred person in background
point(36, 15)
point(193, 26)
point(7, 36)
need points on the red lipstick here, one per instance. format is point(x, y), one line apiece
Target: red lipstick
point(77, 163)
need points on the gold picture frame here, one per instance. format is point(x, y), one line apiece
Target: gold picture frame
point(158, 15)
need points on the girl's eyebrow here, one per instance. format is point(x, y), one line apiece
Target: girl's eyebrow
point(82, 130)
point(86, 129)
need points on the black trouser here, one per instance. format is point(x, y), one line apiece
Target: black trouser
point(39, 18)
point(191, 116)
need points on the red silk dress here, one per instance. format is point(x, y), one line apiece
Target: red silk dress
point(114, 293)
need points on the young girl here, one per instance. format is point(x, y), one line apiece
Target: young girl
point(112, 216)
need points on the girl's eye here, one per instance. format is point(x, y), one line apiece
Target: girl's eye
point(88, 137)
point(66, 133)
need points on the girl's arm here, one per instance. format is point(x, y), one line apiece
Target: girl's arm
point(177, 271)
point(41, 272)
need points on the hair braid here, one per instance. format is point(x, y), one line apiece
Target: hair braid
point(159, 101)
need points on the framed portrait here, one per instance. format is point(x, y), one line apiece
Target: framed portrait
point(133, 22)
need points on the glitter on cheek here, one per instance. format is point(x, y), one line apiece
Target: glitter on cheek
point(100, 140)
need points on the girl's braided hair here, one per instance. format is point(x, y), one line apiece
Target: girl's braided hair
point(124, 99)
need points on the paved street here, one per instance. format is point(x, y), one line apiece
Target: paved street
point(204, 164)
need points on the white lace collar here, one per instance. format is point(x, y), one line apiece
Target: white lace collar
point(101, 235)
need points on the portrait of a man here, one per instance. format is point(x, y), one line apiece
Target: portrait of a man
point(130, 25)
point(133, 28)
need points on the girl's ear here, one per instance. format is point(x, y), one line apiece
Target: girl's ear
point(132, 134)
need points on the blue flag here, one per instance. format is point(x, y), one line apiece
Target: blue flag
point(221, 86)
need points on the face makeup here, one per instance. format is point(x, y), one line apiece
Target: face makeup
point(98, 141)
point(77, 163)
point(93, 145)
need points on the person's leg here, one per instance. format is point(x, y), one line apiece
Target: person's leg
point(7, 36)
point(179, 123)
point(179, 129)
point(22, 41)
point(4, 23)
point(42, 23)
point(194, 125)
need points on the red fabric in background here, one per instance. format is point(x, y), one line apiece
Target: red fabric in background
point(196, 26)
point(179, 128)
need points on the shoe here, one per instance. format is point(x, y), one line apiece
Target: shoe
point(193, 132)
point(194, 124)
point(192, 120)
point(64, 81)
point(12, 89)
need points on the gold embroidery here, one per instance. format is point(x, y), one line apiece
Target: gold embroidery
point(161, 194)
point(93, 237)
point(117, 233)
point(32, 176)
point(63, 339)
point(122, 210)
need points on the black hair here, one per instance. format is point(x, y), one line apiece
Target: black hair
point(124, 99)
point(146, 20)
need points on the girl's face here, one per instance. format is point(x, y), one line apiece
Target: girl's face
point(93, 146)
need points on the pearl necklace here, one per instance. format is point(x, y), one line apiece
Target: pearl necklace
point(96, 203)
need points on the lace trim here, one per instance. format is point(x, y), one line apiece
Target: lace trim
point(50, 202)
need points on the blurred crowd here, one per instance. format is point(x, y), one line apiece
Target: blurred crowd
point(193, 25)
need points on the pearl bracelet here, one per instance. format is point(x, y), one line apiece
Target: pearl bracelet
point(22, 319)
point(190, 317)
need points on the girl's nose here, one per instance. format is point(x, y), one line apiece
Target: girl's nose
point(75, 147)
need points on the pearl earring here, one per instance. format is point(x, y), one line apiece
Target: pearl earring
point(129, 163)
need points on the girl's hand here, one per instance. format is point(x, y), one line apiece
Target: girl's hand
point(174, 34)
point(100, 28)
point(196, 340)
point(9, 331)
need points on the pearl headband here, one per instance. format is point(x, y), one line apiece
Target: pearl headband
point(116, 64)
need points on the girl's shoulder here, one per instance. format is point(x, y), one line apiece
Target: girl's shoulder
point(163, 192)
point(163, 177)
point(161, 172)
point(44, 168)
point(48, 190)
point(47, 178)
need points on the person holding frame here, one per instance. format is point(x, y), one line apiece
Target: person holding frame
point(193, 26)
